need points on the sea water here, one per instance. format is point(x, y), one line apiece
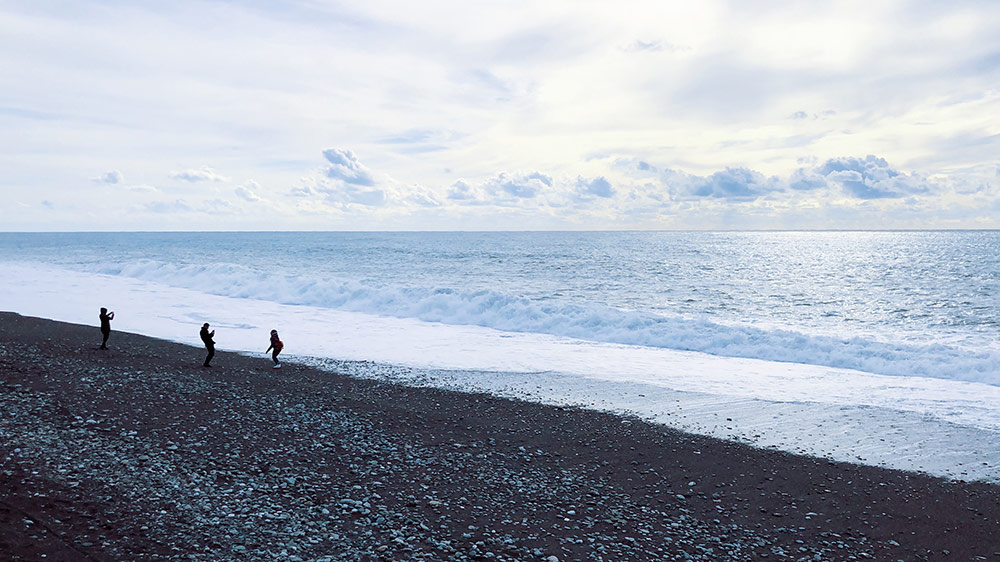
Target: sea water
point(880, 347)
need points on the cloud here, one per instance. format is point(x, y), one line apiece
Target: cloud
point(218, 207)
point(341, 194)
point(409, 77)
point(502, 189)
point(168, 207)
point(806, 180)
point(871, 177)
point(353, 183)
point(734, 183)
point(420, 196)
point(418, 141)
point(344, 166)
point(347, 182)
point(520, 187)
point(799, 115)
point(634, 167)
point(112, 177)
point(302, 191)
point(462, 191)
point(142, 188)
point(865, 178)
point(368, 197)
point(640, 46)
point(204, 174)
point(597, 187)
point(248, 192)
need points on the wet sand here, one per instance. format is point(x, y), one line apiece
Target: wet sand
point(139, 453)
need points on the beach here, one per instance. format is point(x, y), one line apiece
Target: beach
point(897, 368)
point(139, 453)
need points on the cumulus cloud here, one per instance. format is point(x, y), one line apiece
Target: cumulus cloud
point(501, 189)
point(420, 196)
point(870, 177)
point(734, 183)
point(597, 187)
point(112, 177)
point(462, 191)
point(806, 180)
point(630, 189)
point(521, 187)
point(346, 181)
point(248, 192)
point(865, 178)
point(204, 174)
point(345, 166)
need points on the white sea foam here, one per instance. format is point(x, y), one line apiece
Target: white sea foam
point(590, 322)
point(909, 422)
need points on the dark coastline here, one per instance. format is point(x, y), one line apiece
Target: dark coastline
point(138, 453)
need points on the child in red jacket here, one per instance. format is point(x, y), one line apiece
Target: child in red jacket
point(276, 345)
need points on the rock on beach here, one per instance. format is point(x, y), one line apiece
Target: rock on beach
point(138, 453)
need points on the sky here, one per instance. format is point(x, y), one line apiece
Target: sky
point(514, 115)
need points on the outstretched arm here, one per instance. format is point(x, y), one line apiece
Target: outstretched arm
point(269, 348)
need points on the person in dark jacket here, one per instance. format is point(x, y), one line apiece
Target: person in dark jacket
point(206, 337)
point(106, 318)
point(276, 345)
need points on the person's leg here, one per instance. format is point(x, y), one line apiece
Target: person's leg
point(104, 344)
point(274, 356)
point(211, 354)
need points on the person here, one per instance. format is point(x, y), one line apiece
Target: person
point(206, 337)
point(276, 345)
point(106, 318)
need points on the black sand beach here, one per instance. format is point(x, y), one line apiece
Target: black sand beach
point(139, 453)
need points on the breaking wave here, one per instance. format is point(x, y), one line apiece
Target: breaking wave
point(583, 321)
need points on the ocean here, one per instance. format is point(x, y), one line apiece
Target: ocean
point(888, 340)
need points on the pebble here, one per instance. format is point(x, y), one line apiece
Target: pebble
point(290, 475)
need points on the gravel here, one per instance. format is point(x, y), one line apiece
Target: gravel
point(138, 453)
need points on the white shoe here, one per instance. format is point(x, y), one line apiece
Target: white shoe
point(277, 366)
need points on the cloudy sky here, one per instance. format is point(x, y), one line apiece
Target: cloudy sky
point(388, 115)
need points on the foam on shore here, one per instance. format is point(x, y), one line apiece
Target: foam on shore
point(913, 423)
point(590, 322)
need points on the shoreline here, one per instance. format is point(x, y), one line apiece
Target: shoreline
point(908, 423)
point(138, 453)
point(854, 433)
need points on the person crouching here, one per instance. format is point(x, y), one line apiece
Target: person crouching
point(276, 345)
